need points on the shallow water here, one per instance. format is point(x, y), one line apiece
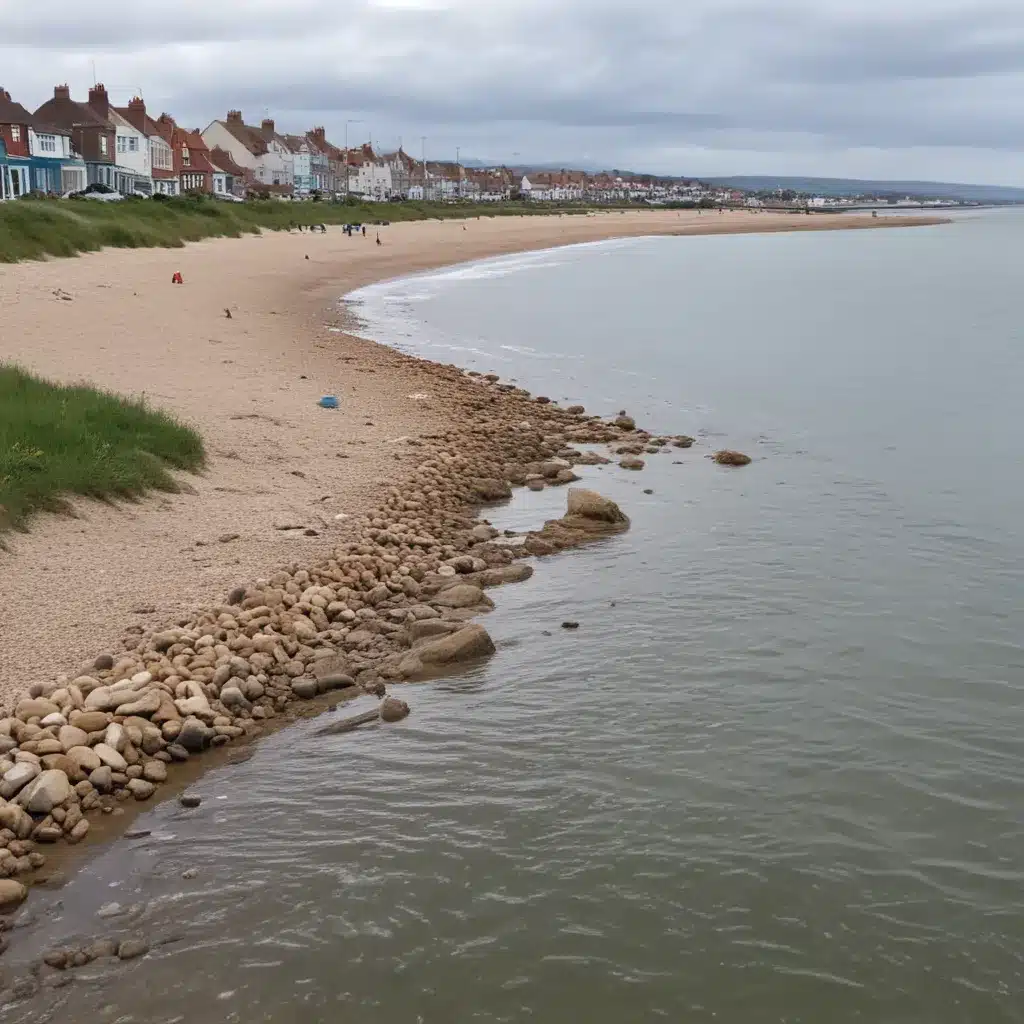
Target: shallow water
point(777, 773)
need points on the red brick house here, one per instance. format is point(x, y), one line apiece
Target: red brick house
point(191, 156)
point(91, 135)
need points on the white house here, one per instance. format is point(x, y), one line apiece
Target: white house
point(160, 165)
point(369, 175)
point(259, 150)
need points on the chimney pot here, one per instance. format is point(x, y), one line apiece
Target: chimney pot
point(61, 92)
point(234, 117)
point(268, 125)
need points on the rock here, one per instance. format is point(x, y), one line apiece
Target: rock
point(570, 625)
point(731, 458)
point(154, 771)
point(482, 532)
point(565, 476)
point(57, 959)
point(585, 504)
point(194, 735)
point(141, 789)
point(143, 706)
point(624, 422)
point(71, 736)
point(100, 699)
point(48, 833)
point(631, 462)
point(491, 489)
point(393, 710)
point(177, 752)
point(78, 832)
point(535, 484)
point(189, 873)
point(467, 644)
point(90, 721)
point(109, 910)
point(11, 893)
point(129, 949)
point(515, 573)
point(103, 663)
point(334, 681)
point(19, 776)
point(38, 707)
point(102, 778)
point(189, 800)
point(56, 719)
point(232, 697)
point(423, 628)
point(462, 595)
point(683, 441)
point(99, 948)
point(46, 791)
point(305, 688)
point(110, 757)
point(115, 737)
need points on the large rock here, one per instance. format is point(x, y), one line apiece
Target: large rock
point(423, 628)
point(586, 504)
point(45, 792)
point(462, 595)
point(102, 778)
point(90, 721)
point(16, 819)
point(35, 707)
point(393, 710)
point(141, 789)
point(491, 489)
point(143, 706)
point(85, 757)
point(11, 893)
point(17, 778)
point(471, 643)
point(71, 736)
point(727, 457)
point(631, 462)
point(194, 735)
point(110, 757)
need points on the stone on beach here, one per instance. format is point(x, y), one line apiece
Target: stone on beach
point(462, 595)
point(110, 757)
point(11, 893)
point(471, 643)
point(45, 792)
point(726, 457)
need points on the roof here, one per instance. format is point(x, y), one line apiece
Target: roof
point(66, 113)
point(199, 154)
point(145, 124)
point(11, 112)
point(296, 142)
point(251, 138)
point(223, 161)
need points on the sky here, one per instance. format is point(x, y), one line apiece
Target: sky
point(893, 89)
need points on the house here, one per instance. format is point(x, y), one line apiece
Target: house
point(228, 177)
point(91, 136)
point(369, 175)
point(403, 171)
point(161, 160)
point(37, 157)
point(259, 150)
point(301, 150)
point(131, 147)
point(191, 156)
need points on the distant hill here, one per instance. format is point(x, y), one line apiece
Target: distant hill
point(854, 186)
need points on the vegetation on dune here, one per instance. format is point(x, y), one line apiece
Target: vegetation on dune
point(34, 228)
point(57, 441)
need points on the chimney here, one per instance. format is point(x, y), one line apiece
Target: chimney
point(319, 134)
point(5, 95)
point(98, 99)
point(234, 117)
point(267, 126)
point(61, 92)
point(137, 103)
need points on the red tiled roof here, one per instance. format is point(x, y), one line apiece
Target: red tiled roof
point(251, 138)
point(223, 161)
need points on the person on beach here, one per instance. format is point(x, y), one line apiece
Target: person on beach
point(364, 231)
point(378, 239)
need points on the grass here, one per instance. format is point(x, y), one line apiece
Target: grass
point(35, 228)
point(58, 441)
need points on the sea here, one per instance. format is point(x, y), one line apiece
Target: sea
point(776, 774)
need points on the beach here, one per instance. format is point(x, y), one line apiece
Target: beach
point(74, 588)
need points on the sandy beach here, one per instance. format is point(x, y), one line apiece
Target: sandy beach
point(75, 587)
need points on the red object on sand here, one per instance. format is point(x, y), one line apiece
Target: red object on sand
point(177, 278)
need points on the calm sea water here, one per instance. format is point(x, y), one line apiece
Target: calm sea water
point(778, 773)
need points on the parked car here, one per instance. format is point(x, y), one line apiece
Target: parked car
point(96, 190)
point(228, 197)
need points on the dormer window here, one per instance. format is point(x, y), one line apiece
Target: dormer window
point(15, 133)
point(185, 158)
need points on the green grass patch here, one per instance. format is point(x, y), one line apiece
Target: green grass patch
point(57, 441)
point(35, 228)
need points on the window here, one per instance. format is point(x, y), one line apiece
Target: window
point(133, 144)
point(185, 158)
point(47, 143)
point(15, 133)
point(103, 145)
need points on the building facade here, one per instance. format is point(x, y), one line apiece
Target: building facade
point(259, 150)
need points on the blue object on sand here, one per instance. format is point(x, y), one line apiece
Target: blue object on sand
point(329, 402)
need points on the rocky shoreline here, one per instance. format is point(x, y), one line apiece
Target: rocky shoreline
point(392, 602)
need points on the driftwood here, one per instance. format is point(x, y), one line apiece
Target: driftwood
point(347, 724)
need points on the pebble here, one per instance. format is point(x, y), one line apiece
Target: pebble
point(570, 625)
point(189, 800)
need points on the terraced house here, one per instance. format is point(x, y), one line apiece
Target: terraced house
point(162, 173)
point(259, 150)
point(34, 156)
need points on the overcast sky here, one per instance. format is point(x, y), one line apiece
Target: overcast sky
point(850, 88)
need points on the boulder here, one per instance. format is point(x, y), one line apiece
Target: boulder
point(17, 778)
point(16, 819)
point(45, 792)
point(194, 735)
point(624, 422)
point(232, 697)
point(110, 757)
point(424, 628)
point(85, 757)
point(491, 489)
point(143, 706)
point(71, 736)
point(515, 573)
point(393, 710)
point(129, 949)
point(468, 644)
point(11, 893)
point(90, 721)
point(462, 595)
point(154, 771)
point(35, 707)
point(102, 778)
point(305, 688)
point(682, 441)
point(101, 699)
point(631, 462)
point(727, 457)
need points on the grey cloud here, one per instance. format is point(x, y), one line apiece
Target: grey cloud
point(584, 76)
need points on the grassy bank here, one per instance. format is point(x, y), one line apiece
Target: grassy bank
point(60, 441)
point(36, 228)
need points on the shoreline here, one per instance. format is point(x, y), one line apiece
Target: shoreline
point(392, 562)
